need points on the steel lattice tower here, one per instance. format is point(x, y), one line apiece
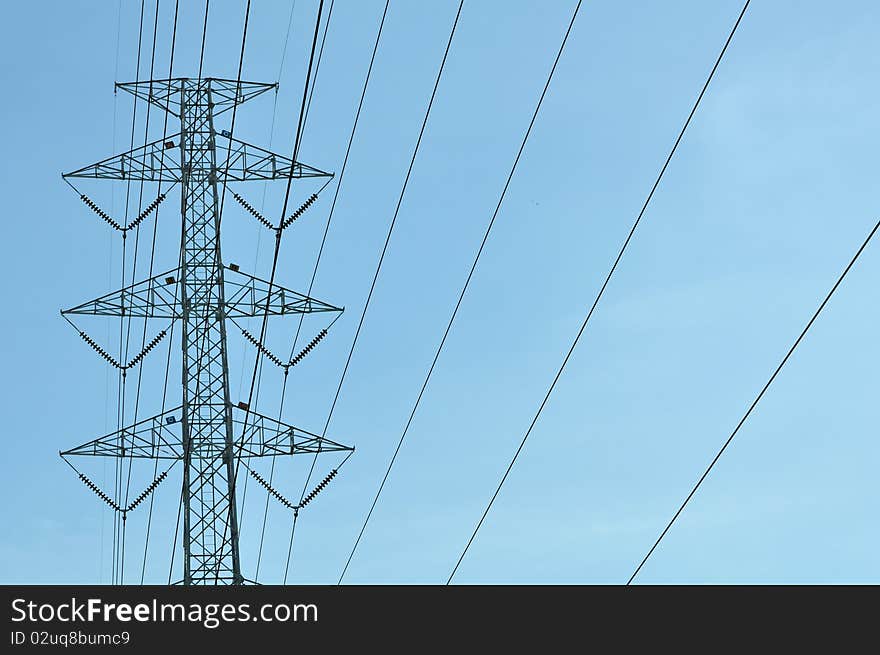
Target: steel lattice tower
point(211, 434)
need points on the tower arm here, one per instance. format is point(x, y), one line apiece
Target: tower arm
point(159, 437)
point(158, 297)
point(158, 161)
point(246, 162)
point(166, 94)
point(246, 295)
point(155, 297)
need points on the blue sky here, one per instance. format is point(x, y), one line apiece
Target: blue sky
point(769, 195)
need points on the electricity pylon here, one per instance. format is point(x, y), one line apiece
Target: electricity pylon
point(207, 432)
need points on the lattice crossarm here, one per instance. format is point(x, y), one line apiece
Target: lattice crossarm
point(246, 162)
point(267, 437)
point(158, 161)
point(248, 296)
point(157, 437)
point(155, 297)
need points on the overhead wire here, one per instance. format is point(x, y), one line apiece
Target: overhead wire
point(260, 232)
point(315, 271)
point(120, 410)
point(266, 183)
point(394, 218)
point(757, 399)
point(311, 93)
point(282, 225)
point(318, 62)
point(142, 215)
point(263, 203)
point(204, 38)
point(297, 141)
point(463, 292)
point(602, 289)
point(111, 240)
point(153, 248)
point(391, 226)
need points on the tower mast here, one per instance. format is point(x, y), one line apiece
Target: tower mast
point(203, 300)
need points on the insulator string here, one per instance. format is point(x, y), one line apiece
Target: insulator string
point(251, 210)
point(319, 488)
point(282, 499)
point(272, 491)
point(134, 361)
point(299, 212)
point(272, 357)
point(91, 204)
point(266, 222)
point(109, 501)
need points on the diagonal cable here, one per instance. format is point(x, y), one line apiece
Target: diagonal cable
point(601, 291)
point(463, 291)
point(756, 400)
point(321, 251)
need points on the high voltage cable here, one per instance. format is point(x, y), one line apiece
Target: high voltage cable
point(152, 260)
point(260, 235)
point(318, 63)
point(247, 13)
point(133, 277)
point(601, 291)
point(266, 183)
point(284, 209)
point(204, 38)
point(258, 361)
point(109, 282)
point(394, 217)
point(311, 94)
point(278, 234)
point(120, 396)
point(171, 330)
point(324, 240)
point(463, 290)
point(120, 408)
point(305, 120)
point(756, 400)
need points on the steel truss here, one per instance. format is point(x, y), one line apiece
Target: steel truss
point(206, 432)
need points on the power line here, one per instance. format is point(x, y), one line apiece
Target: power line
point(342, 173)
point(463, 289)
point(133, 277)
point(601, 290)
point(153, 249)
point(757, 399)
point(204, 38)
point(394, 217)
point(120, 407)
point(318, 63)
point(321, 249)
point(311, 94)
point(266, 184)
point(278, 232)
point(284, 207)
point(260, 233)
point(247, 13)
point(109, 281)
